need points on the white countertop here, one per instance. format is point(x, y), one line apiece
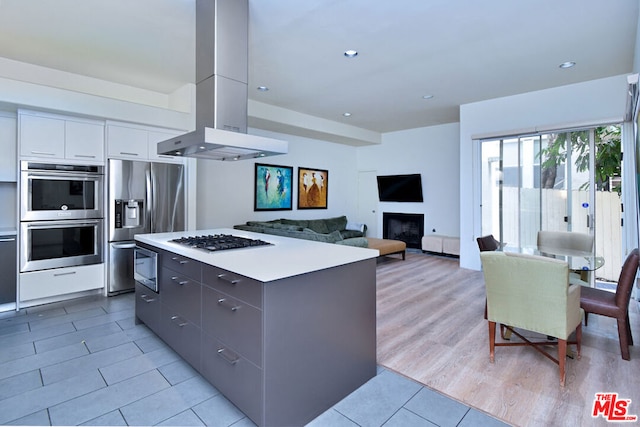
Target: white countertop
point(286, 257)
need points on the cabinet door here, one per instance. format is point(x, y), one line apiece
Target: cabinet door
point(84, 141)
point(8, 144)
point(181, 335)
point(41, 137)
point(233, 322)
point(182, 294)
point(127, 143)
point(238, 380)
point(148, 307)
point(154, 138)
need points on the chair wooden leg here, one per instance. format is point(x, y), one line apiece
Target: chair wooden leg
point(579, 339)
point(492, 341)
point(562, 359)
point(623, 336)
point(629, 330)
point(586, 318)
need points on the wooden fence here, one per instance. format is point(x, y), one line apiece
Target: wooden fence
point(527, 218)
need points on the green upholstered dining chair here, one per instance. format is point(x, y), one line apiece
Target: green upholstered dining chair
point(532, 293)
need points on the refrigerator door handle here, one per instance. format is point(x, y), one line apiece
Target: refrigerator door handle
point(149, 207)
point(124, 245)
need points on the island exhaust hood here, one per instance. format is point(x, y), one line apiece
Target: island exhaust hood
point(222, 51)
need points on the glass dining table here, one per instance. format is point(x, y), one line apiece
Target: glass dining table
point(577, 260)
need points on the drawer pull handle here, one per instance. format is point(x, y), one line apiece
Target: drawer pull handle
point(223, 302)
point(181, 261)
point(224, 278)
point(125, 153)
point(222, 352)
point(178, 281)
point(64, 274)
point(146, 298)
point(178, 321)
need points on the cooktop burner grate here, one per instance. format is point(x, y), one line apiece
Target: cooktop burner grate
point(219, 242)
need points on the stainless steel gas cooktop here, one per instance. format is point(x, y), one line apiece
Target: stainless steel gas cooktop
point(219, 242)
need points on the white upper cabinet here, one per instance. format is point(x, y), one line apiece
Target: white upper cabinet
point(154, 138)
point(138, 142)
point(127, 142)
point(84, 141)
point(8, 144)
point(50, 136)
point(41, 137)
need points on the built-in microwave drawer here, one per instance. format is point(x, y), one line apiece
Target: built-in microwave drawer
point(235, 285)
point(145, 268)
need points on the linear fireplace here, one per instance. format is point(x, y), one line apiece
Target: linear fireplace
point(406, 227)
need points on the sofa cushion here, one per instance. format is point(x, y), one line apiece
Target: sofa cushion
point(354, 226)
point(310, 234)
point(360, 242)
point(318, 225)
point(336, 224)
point(348, 234)
point(297, 222)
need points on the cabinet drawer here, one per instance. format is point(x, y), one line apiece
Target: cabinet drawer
point(238, 379)
point(60, 281)
point(181, 293)
point(233, 284)
point(182, 265)
point(233, 322)
point(148, 307)
point(181, 335)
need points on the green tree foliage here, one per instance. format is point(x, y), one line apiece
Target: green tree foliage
point(608, 160)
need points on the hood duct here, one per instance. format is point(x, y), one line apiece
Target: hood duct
point(222, 51)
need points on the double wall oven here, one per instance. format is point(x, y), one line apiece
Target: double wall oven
point(61, 215)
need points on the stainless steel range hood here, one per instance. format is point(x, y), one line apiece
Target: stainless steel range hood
point(222, 52)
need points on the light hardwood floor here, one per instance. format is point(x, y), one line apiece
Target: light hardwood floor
point(431, 328)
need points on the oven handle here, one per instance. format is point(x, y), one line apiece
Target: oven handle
point(62, 175)
point(64, 224)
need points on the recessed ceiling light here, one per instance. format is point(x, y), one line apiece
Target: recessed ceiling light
point(567, 64)
point(347, 114)
point(427, 96)
point(350, 53)
point(262, 88)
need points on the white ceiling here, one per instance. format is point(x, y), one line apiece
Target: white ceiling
point(459, 51)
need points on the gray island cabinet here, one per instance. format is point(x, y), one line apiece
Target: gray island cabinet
point(284, 331)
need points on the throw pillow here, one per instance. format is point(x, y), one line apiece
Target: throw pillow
point(355, 226)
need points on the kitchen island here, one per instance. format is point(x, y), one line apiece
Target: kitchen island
point(284, 330)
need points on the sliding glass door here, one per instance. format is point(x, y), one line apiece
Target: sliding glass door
point(562, 181)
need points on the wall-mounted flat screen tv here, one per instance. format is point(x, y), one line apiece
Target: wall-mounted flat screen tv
point(400, 188)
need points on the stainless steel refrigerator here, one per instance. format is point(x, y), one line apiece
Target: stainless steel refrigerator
point(143, 197)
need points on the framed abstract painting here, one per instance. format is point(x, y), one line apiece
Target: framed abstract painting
point(312, 188)
point(273, 188)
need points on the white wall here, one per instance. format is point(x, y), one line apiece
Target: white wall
point(226, 189)
point(431, 151)
point(589, 103)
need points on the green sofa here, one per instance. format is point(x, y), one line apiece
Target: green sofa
point(329, 230)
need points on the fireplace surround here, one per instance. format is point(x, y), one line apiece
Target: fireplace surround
point(407, 227)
